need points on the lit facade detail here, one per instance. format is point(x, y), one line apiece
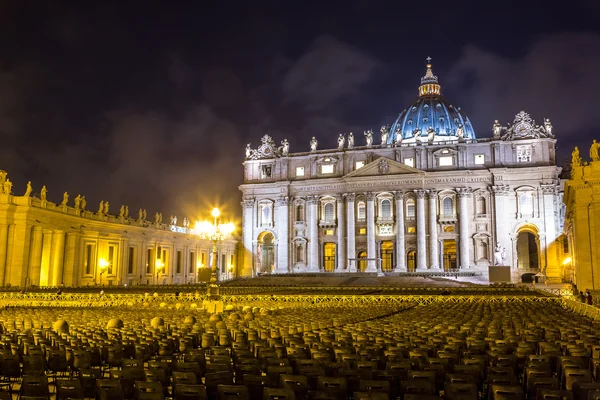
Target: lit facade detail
point(446, 200)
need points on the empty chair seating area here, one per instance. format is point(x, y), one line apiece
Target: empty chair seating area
point(463, 350)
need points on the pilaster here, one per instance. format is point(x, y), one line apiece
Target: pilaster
point(36, 256)
point(341, 239)
point(400, 229)
point(371, 255)
point(313, 227)
point(282, 226)
point(421, 234)
point(463, 226)
point(433, 230)
point(351, 232)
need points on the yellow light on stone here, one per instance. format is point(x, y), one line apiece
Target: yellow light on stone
point(567, 261)
point(103, 264)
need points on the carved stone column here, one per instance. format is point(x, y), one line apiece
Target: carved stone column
point(463, 226)
point(3, 249)
point(371, 254)
point(501, 227)
point(282, 226)
point(72, 255)
point(36, 256)
point(341, 239)
point(400, 240)
point(550, 264)
point(248, 206)
point(433, 232)
point(351, 232)
point(313, 228)
point(421, 234)
point(58, 257)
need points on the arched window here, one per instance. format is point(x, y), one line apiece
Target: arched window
point(266, 214)
point(410, 208)
point(361, 210)
point(526, 203)
point(300, 213)
point(328, 212)
point(386, 209)
point(481, 208)
point(448, 207)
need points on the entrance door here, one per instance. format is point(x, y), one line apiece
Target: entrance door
point(329, 257)
point(387, 256)
point(450, 255)
point(411, 258)
point(267, 253)
point(362, 261)
point(527, 250)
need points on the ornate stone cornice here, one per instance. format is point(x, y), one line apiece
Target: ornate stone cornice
point(248, 202)
point(370, 196)
point(463, 192)
point(420, 193)
point(350, 197)
point(500, 190)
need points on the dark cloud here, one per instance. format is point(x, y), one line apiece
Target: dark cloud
point(556, 78)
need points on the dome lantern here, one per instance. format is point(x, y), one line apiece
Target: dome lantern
point(429, 83)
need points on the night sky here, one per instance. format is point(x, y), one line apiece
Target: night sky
point(151, 104)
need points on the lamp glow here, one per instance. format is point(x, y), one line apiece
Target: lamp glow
point(567, 261)
point(103, 264)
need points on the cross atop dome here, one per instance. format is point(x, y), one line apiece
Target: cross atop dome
point(429, 83)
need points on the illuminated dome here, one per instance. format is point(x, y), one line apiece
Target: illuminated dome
point(431, 117)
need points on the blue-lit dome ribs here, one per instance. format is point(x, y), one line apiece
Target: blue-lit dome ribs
point(431, 111)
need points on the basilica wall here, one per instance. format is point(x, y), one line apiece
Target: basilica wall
point(48, 244)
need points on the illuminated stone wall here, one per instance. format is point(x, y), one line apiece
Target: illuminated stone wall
point(48, 244)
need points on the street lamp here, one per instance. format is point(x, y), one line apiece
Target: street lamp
point(103, 265)
point(215, 232)
point(158, 265)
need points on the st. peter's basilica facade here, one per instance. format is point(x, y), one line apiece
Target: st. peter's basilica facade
point(423, 194)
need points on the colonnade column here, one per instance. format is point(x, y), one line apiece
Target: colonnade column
point(248, 230)
point(71, 256)
point(351, 232)
point(400, 249)
point(36, 256)
point(551, 266)
point(341, 229)
point(313, 239)
point(371, 254)
point(3, 251)
point(421, 244)
point(433, 233)
point(463, 225)
point(58, 257)
point(282, 224)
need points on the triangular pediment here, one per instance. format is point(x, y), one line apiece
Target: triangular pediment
point(383, 166)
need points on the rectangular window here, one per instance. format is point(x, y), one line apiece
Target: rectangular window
point(203, 263)
point(362, 231)
point(131, 260)
point(523, 153)
point(299, 171)
point(479, 159)
point(566, 245)
point(327, 169)
point(329, 232)
point(223, 263)
point(89, 258)
point(409, 161)
point(445, 161)
point(111, 259)
point(149, 261)
point(411, 229)
point(359, 164)
point(192, 261)
point(178, 267)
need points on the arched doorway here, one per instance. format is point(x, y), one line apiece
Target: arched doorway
point(329, 257)
point(528, 249)
point(387, 256)
point(265, 253)
point(362, 261)
point(411, 258)
point(450, 255)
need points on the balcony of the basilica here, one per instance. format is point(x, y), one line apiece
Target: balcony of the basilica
point(447, 219)
point(327, 223)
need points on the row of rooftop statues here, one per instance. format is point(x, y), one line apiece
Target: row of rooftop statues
point(576, 160)
point(80, 203)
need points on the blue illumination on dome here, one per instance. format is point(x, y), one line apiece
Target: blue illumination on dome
point(431, 111)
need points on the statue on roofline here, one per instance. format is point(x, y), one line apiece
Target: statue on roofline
point(106, 205)
point(7, 186)
point(398, 139)
point(145, 215)
point(351, 140)
point(126, 211)
point(285, 147)
point(548, 127)
point(460, 132)
point(313, 144)
point(417, 135)
point(77, 202)
point(575, 158)
point(28, 189)
point(369, 137)
point(248, 151)
point(430, 135)
point(341, 141)
point(594, 151)
point(101, 207)
point(384, 135)
point(497, 129)
point(65, 199)
point(140, 215)
point(122, 212)
point(83, 203)
point(157, 218)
